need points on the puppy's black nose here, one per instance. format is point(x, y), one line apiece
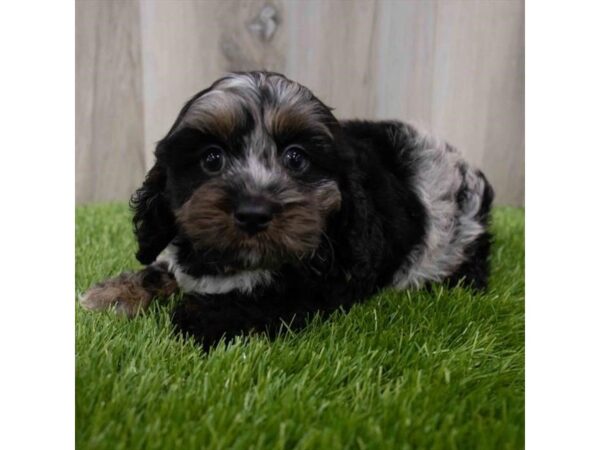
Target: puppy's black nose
point(254, 215)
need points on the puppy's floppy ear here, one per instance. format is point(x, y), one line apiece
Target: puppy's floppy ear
point(153, 219)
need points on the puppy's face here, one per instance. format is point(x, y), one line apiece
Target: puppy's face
point(251, 171)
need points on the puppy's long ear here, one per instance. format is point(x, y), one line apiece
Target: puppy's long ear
point(153, 219)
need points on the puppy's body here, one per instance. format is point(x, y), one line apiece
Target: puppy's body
point(337, 209)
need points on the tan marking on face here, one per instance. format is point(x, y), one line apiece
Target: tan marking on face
point(206, 216)
point(294, 118)
point(328, 197)
point(217, 112)
point(294, 233)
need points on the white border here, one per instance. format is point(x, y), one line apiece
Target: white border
point(563, 225)
point(37, 224)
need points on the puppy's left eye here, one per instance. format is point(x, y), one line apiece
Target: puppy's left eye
point(295, 159)
point(212, 159)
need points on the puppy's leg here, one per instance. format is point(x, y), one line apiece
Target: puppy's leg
point(474, 271)
point(130, 292)
point(211, 318)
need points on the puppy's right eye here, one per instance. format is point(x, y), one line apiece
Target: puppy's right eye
point(212, 159)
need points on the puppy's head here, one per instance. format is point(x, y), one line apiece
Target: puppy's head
point(248, 174)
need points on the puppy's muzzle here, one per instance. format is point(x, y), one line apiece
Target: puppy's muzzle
point(253, 215)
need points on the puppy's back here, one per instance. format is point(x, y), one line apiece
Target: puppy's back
point(455, 197)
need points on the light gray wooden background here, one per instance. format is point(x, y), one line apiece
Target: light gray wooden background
point(455, 67)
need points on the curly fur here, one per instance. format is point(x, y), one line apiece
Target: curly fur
point(381, 204)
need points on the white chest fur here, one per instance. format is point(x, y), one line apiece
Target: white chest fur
point(243, 281)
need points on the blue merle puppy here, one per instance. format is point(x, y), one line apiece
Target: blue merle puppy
point(264, 209)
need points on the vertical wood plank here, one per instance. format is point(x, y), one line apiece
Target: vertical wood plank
point(478, 100)
point(406, 33)
point(187, 45)
point(108, 110)
point(456, 68)
point(179, 57)
point(331, 50)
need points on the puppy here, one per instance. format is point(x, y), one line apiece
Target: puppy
point(264, 210)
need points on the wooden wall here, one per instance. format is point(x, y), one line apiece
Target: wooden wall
point(455, 67)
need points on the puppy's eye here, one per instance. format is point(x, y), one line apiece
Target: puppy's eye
point(212, 159)
point(295, 159)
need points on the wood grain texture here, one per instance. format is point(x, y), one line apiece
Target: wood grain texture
point(109, 123)
point(331, 50)
point(187, 45)
point(455, 67)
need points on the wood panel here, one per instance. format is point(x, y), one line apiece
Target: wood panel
point(187, 45)
point(331, 50)
point(455, 67)
point(478, 100)
point(109, 138)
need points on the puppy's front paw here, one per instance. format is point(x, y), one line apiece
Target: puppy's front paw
point(125, 292)
point(130, 293)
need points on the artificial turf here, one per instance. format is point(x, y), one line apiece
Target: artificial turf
point(439, 369)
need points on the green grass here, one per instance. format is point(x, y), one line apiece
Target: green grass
point(404, 370)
